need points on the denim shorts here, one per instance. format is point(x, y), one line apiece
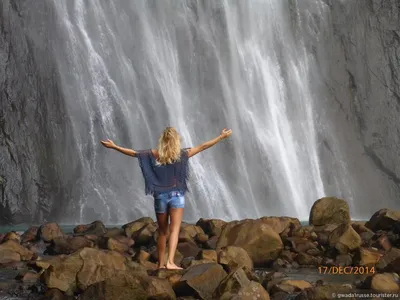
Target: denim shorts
point(164, 201)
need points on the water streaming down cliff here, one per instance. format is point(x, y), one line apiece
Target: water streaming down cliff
point(129, 70)
point(126, 69)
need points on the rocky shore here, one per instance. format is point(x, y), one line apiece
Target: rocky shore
point(221, 260)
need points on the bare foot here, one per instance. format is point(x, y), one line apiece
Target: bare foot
point(160, 267)
point(173, 267)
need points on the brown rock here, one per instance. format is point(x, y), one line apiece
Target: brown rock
point(212, 227)
point(135, 226)
point(211, 243)
point(12, 236)
point(348, 241)
point(282, 225)
point(54, 294)
point(237, 284)
point(301, 244)
point(81, 269)
point(30, 235)
point(210, 255)
point(114, 232)
point(236, 233)
point(384, 219)
point(28, 276)
point(369, 257)
point(145, 235)
point(188, 249)
point(344, 260)
point(68, 244)
point(115, 245)
point(232, 257)
point(96, 228)
point(49, 231)
point(14, 247)
point(191, 230)
point(142, 256)
point(385, 283)
point(329, 210)
point(304, 259)
point(8, 256)
point(185, 237)
point(129, 285)
point(201, 238)
point(195, 262)
point(202, 280)
point(299, 285)
point(388, 258)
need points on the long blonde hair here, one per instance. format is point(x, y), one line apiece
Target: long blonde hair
point(169, 146)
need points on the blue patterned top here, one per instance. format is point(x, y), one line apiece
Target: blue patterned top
point(163, 178)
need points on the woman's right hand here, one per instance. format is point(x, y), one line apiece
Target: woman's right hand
point(225, 133)
point(108, 143)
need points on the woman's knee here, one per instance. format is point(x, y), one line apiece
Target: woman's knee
point(163, 231)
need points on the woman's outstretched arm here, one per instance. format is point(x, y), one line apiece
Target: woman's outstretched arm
point(224, 134)
point(110, 144)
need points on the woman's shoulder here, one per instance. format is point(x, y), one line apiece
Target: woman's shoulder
point(154, 152)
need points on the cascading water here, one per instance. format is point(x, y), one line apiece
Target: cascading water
point(130, 68)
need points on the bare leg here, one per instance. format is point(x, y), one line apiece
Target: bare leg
point(162, 221)
point(176, 220)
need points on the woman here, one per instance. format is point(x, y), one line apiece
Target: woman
point(165, 171)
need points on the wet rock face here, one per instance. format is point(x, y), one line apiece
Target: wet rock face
point(34, 138)
point(359, 64)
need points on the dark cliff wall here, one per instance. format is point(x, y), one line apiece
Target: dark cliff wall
point(360, 64)
point(34, 130)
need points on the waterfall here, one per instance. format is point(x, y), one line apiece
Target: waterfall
point(130, 68)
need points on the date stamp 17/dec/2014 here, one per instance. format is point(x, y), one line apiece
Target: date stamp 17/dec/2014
point(348, 270)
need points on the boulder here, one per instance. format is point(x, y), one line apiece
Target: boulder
point(95, 228)
point(282, 225)
point(348, 241)
point(130, 285)
point(12, 236)
point(188, 249)
point(119, 244)
point(83, 268)
point(68, 244)
point(192, 230)
point(369, 257)
point(210, 255)
point(384, 219)
point(385, 283)
point(329, 210)
point(114, 232)
point(237, 285)
point(263, 244)
point(212, 227)
point(49, 231)
point(389, 259)
point(201, 280)
point(13, 251)
point(232, 257)
point(211, 243)
point(8, 256)
point(145, 235)
point(133, 227)
point(30, 235)
point(54, 294)
point(298, 285)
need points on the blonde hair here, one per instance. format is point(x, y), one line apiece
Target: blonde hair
point(169, 147)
